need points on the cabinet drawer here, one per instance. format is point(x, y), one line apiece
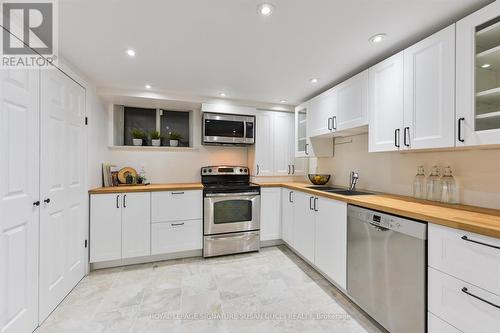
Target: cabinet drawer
point(170, 237)
point(176, 206)
point(465, 259)
point(448, 300)
point(436, 325)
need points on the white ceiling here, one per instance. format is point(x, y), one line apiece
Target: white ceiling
point(202, 47)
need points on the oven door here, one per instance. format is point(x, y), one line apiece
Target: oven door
point(228, 129)
point(231, 212)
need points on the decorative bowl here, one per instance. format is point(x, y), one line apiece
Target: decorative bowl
point(318, 179)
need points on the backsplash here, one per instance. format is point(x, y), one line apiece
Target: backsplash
point(476, 171)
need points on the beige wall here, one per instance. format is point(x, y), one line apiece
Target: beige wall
point(478, 171)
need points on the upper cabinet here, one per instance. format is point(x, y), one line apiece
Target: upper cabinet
point(386, 104)
point(352, 105)
point(322, 114)
point(305, 146)
point(429, 92)
point(478, 77)
point(412, 103)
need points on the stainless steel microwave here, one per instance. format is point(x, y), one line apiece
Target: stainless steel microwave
point(228, 129)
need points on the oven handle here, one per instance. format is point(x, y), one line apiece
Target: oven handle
point(246, 194)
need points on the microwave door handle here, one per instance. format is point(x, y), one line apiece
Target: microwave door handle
point(244, 130)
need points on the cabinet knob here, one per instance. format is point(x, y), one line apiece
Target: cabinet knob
point(47, 200)
point(36, 203)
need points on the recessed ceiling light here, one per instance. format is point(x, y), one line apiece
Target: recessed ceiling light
point(377, 38)
point(486, 66)
point(283, 101)
point(147, 86)
point(222, 94)
point(314, 80)
point(266, 9)
point(130, 53)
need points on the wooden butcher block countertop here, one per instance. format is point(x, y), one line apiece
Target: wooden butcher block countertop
point(483, 221)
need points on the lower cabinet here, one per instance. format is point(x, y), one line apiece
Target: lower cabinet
point(304, 226)
point(119, 226)
point(171, 237)
point(287, 216)
point(436, 325)
point(330, 251)
point(270, 214)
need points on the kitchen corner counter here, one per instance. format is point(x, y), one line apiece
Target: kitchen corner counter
point(147, 188)
point(483, 221)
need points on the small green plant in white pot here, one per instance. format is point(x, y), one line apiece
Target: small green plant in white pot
point(155, 139)
point(174, 138)
point(137, 137)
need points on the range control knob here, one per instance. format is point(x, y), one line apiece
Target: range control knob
point(209, 170)
point(241, 170)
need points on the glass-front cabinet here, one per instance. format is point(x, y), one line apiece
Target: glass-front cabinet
point(478, 77)
point(301, 144)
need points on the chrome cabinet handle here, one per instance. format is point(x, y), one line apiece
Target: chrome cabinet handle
point(124, 201)
point(460, 120)
point(117, 201)
point(467, 239)
point(316, 204)
point(330, 127)
point(334, 121)
point(396, 137)
point(466, 291)
point(406, 131)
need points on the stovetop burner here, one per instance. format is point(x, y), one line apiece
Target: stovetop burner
point(227, 179)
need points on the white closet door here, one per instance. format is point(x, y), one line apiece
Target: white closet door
point(62, 181)
point(19, 181)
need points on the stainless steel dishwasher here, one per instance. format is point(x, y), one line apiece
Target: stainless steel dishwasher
point(386, 268)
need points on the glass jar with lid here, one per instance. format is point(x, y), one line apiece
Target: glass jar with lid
point(449, 188)
point(434, 185)
point(419, 184)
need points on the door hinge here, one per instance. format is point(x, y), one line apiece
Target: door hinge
point(85, 243)
point(86, 120)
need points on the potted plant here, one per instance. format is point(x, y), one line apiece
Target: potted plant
point(174, 138)
point(137, 136)
point(155, 139)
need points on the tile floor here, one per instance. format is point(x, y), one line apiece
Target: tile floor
point(269, 291)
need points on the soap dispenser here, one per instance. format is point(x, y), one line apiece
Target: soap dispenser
point(419, 184)
point(434, 185)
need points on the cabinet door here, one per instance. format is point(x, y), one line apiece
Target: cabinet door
point(283, 143)
point(320, 116)
point(385, 107)
point(287, 216)
point(176, 206)
point(171, 237)
point(301, 130)
point(19, 217)
point(136, 225)
point(436, 325)
point(105, 227)
point(270, 214)
point(263, 164)
point(304, 225)
point(331, 239)
point(429, 73)
point(478, 77)
point(352, 101)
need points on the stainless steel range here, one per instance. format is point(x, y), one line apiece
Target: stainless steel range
point(231, 211)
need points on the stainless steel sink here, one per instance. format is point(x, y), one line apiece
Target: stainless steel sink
point(348, 192)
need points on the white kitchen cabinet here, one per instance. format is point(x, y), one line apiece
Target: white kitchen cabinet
point(331, 239)
point(172, 237)
point(463, 305)
point(167, 206)
point(270, 214)
point(287, 216)
point(322, 114)
point(105, 227)
point(283, 136)
point(263, 149)
point(437, 325)
point(136, 225)
point(304, 226)
point(305, 146)
point(477, 87)
point(465, 255)
point(429, 92)
point(385, 105)
point(120, 226)
point(352, 105)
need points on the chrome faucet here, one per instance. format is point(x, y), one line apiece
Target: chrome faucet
point(353, 180)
